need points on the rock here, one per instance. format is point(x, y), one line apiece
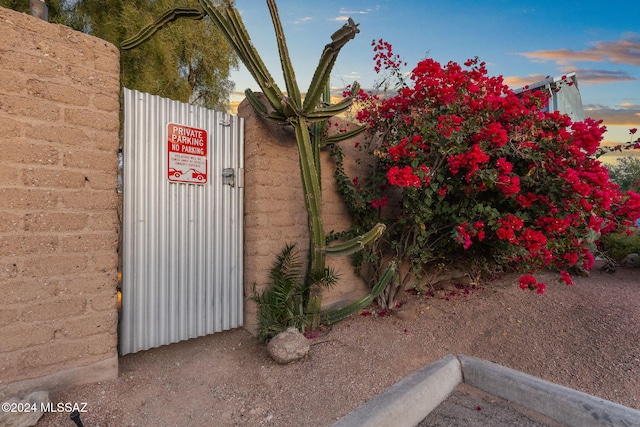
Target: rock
point(631, 260)
point(288, 346)
point(23, 412)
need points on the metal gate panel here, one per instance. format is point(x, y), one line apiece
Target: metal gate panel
point(182, 269)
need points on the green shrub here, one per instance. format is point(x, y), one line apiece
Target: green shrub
point(619, 245)
point(626, 173)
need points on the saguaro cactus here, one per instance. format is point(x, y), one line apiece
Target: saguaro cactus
point(308, 117)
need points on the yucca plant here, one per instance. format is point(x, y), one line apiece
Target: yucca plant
point(308, 117)
point(281, 304)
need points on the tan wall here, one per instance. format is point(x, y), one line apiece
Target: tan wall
point(274, 209)
point(59, 120)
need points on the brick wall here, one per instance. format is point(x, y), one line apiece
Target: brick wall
point(274, 209)
point(59, 122)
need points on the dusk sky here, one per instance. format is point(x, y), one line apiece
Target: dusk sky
point(524, 41)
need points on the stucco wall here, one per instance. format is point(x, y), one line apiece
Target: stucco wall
point(274, 209)
point(59, 121)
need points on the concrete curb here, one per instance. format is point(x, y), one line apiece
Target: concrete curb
point(411, 399)
point(565, 405)
point(408, 401)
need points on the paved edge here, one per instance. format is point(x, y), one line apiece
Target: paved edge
point(565, 405)
point(411, 399)
point(407, 402)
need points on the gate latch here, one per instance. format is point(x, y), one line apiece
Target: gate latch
point(228, 177)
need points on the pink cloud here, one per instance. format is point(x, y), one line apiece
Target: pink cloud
point(624, 51)
point(585, 76)
point(562, 56)
point(614, 116)
point(590, 76)
point(518, 82)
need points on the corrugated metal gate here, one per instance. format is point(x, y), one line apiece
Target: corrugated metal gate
point(182, 222)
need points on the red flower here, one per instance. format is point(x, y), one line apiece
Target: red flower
point(571, 258)
point(589, 259)
point(565, 277)
point(403, 177)
point(493, 133)
point(463, 235)
point(380, 203)
point(471, 160)
point(526, 200)
point(466, 232)
point(527, 281)
point(504, 165)
point(508, 226)
point(509, 185)
point(633, 130)
point(399, 151)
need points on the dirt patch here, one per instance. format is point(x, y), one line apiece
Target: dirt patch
point(585, 337)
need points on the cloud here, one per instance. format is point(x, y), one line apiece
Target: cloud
point(626, 116)
point(585, 76)
point(592, 76)
point(561, 56)
point(518, 82)
point(344, 11)
point(303, 20)
point(345, 14)
point(623, 51)
point(629, 105)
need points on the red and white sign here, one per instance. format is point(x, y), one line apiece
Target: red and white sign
point(187, 154)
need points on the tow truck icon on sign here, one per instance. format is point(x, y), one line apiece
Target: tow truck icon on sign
point(198, 175)
point(195, 175)
point(175, 173)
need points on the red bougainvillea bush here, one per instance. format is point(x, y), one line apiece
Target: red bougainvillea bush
point(484, 174)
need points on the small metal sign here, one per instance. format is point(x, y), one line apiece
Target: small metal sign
point(187, 154)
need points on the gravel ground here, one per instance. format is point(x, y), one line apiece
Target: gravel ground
point(586, 337)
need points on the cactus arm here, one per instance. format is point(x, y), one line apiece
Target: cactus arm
point(228, 20)
point(293, 92)
point(339, 137)
point(169, 16)
point(230, 23)
point(357, 243)
point(261, 109)
point(325, 113)
point(256, 103)
point(325, 65)
point(332, 316)
point(328, 109)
